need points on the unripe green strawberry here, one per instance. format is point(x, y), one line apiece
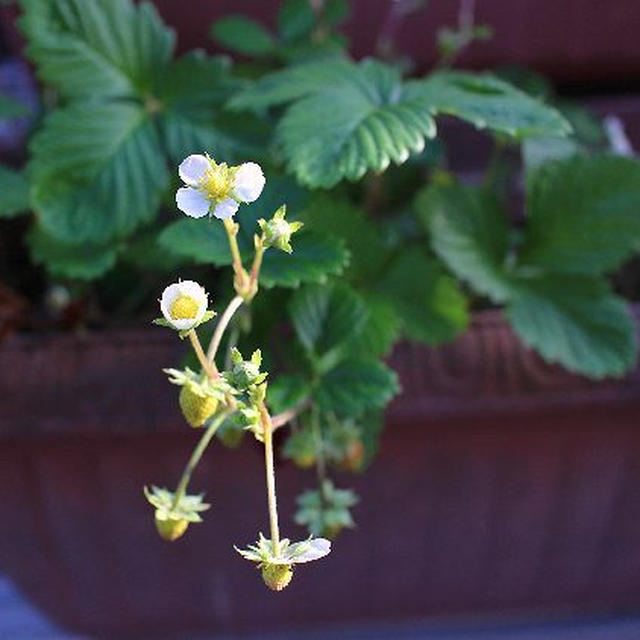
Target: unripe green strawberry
point(277, 576)
point(170, 529)
point(195, 408)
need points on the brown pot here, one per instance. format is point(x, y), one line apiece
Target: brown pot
point(503, 485)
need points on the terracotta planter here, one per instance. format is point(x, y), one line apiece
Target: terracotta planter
point(503, 485)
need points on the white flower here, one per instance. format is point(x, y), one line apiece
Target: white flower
point(216, 188)
point(248, 182)
point(184, 304)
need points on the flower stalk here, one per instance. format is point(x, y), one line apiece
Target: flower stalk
point(221, 327)
point(267, 428)
point(208, 365)
point(197, 454)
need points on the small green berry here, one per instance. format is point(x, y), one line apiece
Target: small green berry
point(277, 576)
point(196, 409)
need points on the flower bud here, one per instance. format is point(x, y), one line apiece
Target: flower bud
point(246, 373)
point(196, 409)
point(277, 576)
point(277, 231)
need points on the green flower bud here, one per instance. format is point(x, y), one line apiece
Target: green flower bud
point(277, 576)
point(245, 373)
point(196, 409)
point(277, 231)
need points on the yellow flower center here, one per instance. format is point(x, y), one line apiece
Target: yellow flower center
point(183, 308)
point(216, 182)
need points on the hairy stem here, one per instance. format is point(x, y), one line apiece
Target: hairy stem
point(196, 455)
point(267, 428)
point(221, 327)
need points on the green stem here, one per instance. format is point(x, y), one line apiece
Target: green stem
point(238, 268)
point(196, 455)
point(221, 327)
point(208, 366)
point(271, 478)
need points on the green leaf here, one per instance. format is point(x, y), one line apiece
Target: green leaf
point(428, 302)
point(102, 48)
point(345, 131)
point(584, 215)
point(192, 93)
point(380, 331)
point(204, 241)
point(356, 386)
point(326, 317)
point(82, 261)
point(348, 119)
point(331, 214)
point(577, 322)
point(487, 102)
point(241, 34)
point(469, 233)
point(14, 193)
point(296, 20)
point(314, 258)
point(97, 171)
point(285, 392)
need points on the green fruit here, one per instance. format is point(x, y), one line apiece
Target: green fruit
point(195, 408)
point(169, 528)
point(277, 576)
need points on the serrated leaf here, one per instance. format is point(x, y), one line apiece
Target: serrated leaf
point(356, 386)
point(241, 34)
point(331, 214)
point(326, 318)
point(584, 215)
point(14, 193)
point(577, 322)
point(96, 49)
point(203, 241)
point(487, 102)
point(97, 171)
point(82, 261)
point(314, 258)
point(469, 233)
point(428, 302)
point(348, 119)
point(361, 126)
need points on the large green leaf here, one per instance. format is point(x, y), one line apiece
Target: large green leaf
point(203, 241)
point(584, 215)
point(487, 102)
point(469, 233)
point(97, 48)
point(14, 192)
point(347, 119)
point(380, 331)
point(325, 319)
point(356, 386)
point(345, 131)
point(335, 215)
point(577, 322)
point(428, 302)
point(83, 261)
point(241, 34)
point(315, 256)
point(190, 100)
point(97, 171)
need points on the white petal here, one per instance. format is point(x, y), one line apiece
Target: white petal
point(189, 288)
point(192, 202)
point(248, 182)
point(225, 209)
point(168, 296)
point(192, 169)
point(194, 290)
